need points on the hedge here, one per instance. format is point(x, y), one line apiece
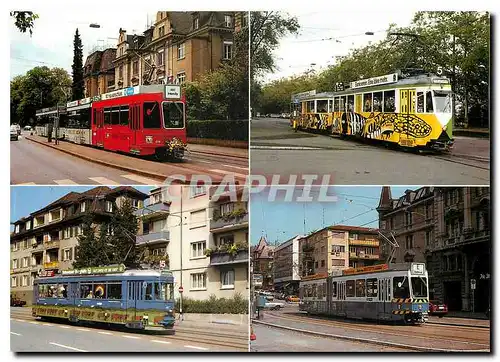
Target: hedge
point(234, 305)
point(218, 129)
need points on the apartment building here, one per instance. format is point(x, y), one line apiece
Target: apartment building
point(262, 260)
point(287, 266)
point(99, 72)
point(449, 229)
point(178, 47)
point(335, 248)
point(44, 243)
point(208, 247)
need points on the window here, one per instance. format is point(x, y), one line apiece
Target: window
point(428, 102)
point(151, 115)
point(371, 288)
point(25, 280)
point(336, 104)
point(228, 21)
point(198, 281)
point(338, 248)
point(107, 115)
point(196, 23)
point(226, 208)
point(367, 102)
point(135, 67)
point(148, 291)
point(114, 291)
point(409, 242)
point(419, 287)
point(349, 288)
point(198, 190)
point(25, 262)
point(124, 115)
point(120, 71)
point(28, 225)
point(338, 262)
point(350, 103)
point(181, 51)
point(360, 288)
point(316, 265)
point(173, 114)
point(408, 218)
point(400, 287)
point(161, 31)
point(115, 115)
point(443, 101)
point(427, 238)
point(226, 240)
point(227, 279)
point(109, 206)
point(17, 229)
point(198, 249)
point(15, 264)
point(82, 207)
point(334, 289)
point(322, 263)
point(322, 106)
point(310, 107)
point(13, 281)
point(377, 102)
point(389, 101)
point(86, 291)
point(181, 77)
point(160, 57)
point(420, 102)
point(67, 254)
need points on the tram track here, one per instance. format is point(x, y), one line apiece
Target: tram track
point(231, 340)
point(467, 336)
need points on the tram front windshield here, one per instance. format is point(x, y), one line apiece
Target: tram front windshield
point(164, 291)
point(173, 114)
point(442, 100)
point(419, 287)
point(401, 287)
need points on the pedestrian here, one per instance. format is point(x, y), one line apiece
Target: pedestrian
point(49, 131)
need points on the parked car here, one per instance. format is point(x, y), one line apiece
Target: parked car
point(17, 127)
point(269, 296)
point(292, 299)
point(437, 308)
point(16, 302)
point(27, 128)
point(14, 136)
point(274, 305)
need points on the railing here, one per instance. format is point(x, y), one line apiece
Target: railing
point(222, 258)
point(153, 210)
point(363, 256)
point(52, 244)
point(228, 222)
point(158, 236)
point(364, 242)
point(51, 265)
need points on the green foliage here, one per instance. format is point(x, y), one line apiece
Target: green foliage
point(25, 20)
point(77, 87)
point(39, 88)
point(218, 129)
point(231, 249)
point(235, 214)
point(235, 305)
point(91, 249)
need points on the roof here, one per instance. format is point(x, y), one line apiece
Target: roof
point(353, 228)
point(410, 197)
point(129, 190)
point(263, 249)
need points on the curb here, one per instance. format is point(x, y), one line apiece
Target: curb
point(458, 325)
point(475, 158)
point(217, 154)
point(366, 340)
point(109, 164)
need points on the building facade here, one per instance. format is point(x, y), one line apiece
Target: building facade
point(262, 261)
point(208, 248)
point(44, 243)
point(99, 72)
point(178, 47)
point(287, 266)
point(336, 248)
point(451, 233)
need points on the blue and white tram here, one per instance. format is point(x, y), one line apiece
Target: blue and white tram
point(397, 293)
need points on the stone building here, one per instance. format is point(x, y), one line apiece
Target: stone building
point(262, 260)
point(99, 72)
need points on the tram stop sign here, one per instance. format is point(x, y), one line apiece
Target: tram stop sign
point(181, 289)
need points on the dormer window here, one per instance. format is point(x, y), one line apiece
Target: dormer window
point(196, 23)
point(228, 21)
point(161, 31)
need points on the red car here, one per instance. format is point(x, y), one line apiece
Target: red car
point(436, 308)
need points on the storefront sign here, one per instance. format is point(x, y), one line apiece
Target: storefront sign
point(46, 273)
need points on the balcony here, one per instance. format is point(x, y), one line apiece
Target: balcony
point(364, 242)
point(54, 244)
point(155, 210)
point(230, 221)
point(225, 258)
point(364, 256)
point(51, 265)
point(158, 237)
point(36, 267)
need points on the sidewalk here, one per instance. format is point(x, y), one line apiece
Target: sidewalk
point(127, 163)
point(218, 150)
point(467, 315)
point(203, 325)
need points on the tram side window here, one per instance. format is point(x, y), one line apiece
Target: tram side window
point(367, 102)
point(350, 103)
point(400, 287)
point(313, 291)
point(420, 102)
point(342, 104)
point(151, 115)
point(377, 102)
point(159, 291)
point(100, 291)
point(86, 291)
point(124, 120)
point(115, 115)
point(371, 287)
point(63, 290)
point(360, 288)
point(330, 105)
point(349, 288)
point(322, 106)
point(52, 291)
point(389, 101)
point(43, 290)
point(149, 291)
point(94, 118)
point(428, 102)
point(336, 102)
point(107, 115)
point(114, 291)
point(334, 289)
point(310, 107)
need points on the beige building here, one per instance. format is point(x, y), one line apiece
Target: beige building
point(99, 72)
point(44, 243)
point(178, 47)
point(335, 248)
point(286, 266)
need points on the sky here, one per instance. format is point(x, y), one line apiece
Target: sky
point(296, 53)
point(280, 221)
point(52, 41)
point(27, 199)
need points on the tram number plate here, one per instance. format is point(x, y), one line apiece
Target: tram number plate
point(407, 142)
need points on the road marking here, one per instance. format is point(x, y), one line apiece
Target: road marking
point(158, 341)
point(241, 168)
point(82, 329)
point(46, 324)
point(34, 322)
point(65, 182)
point(228, 173)
point(103, 181)
point(131, 337)
point(195, 347)
point(143, 180)
point(68, 347)
point(109, 333)
point(27, 183)
point(64, 327)
point(289, 148)
point(203, 161)
point(16, 334)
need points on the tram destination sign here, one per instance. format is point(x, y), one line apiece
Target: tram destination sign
point(385, 79)
point(96, 270)
point(173, 91)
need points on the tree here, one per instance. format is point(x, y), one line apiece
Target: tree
point(120, 236)
point(91, 249)
point(77, 89)
point(25, 20)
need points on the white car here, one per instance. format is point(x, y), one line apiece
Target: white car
point(13, 133)
point(17, 128)
point(274, 305)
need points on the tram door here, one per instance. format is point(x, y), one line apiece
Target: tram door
point(99, 127)
point(407, 101)
point(134, 123)
point(133, 294)
point(341, 293)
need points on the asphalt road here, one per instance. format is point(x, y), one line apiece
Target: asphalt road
point(35, 164)
point(38, 336)
point(276, 149)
